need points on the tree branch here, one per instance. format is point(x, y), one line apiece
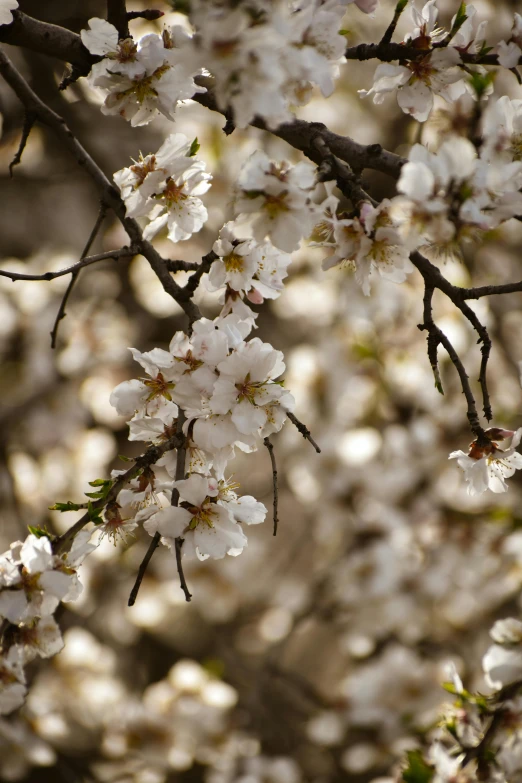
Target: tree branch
point(150, 457)
point(387, 52)
point(124, 252)
point(29, 120)
point(305, 432)
point(49, 39)
point(74, 276)
point(108, 192)
point(117, 16)
point(270, 448)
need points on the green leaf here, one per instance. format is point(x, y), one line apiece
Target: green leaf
point(481, 82)
point(99, 482)
point(417, 771)
point(194, 148)
point(94, 514)
point(124, 458)
point(38, 532)
point(69, 506)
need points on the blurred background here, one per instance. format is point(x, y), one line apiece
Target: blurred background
point(317, 655)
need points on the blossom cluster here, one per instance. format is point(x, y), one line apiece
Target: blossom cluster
point(479, 736)
point(33, 581)
point(264, 58)
point(229, 391)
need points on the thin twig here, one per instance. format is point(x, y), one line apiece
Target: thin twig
point(150, 457)
point(388, 35)
point(270, 448)
point(29, 120)
point(143, 567)
point(305, 432)
point(74, 276)
point(124, 252)
point(182, 582)
point(181, 448)
point(108, 192)
point(180, 475)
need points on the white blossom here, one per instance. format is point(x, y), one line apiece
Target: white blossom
point(510, 52)
point(437, 73)
point(280, 198)
point(12, 680)
point(144, 80)
point(488, 466)
point(166, 187)
point(6, 9)
point(208, 528)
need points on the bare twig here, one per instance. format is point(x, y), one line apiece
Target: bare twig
point(29, 120)
point(182, 583)
point(150, 15)
point(143, 567)
point(388, 35)
point(124, 252)
point(305, 432)
point(181, 448)
point(180, 475)
point(74, 276)
point(270, 448)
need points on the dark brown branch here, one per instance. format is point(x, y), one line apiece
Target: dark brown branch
point(388, 35)
point(305, 432)
point(490, 290)
point(27, 127)
point(387, 52)
point(180, 475)
point(270, 448)
point(433, 278)
point(47, 39)
point(181, 448)
point(143, 567)
point(301, 135)
point(124, 252)
point(150, 457)
point(182, 582)
point(176, 265)
point(437, 337)
point(195, 279)
point(74, 276)
point(150, 15)
point(108, 192)
point(117, 16)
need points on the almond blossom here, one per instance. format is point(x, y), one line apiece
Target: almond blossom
point(488, 466)
point(12, 680)
point(437, 73)
point(251, 269)
point(510, 52)
point(207, 527)
point(502, 663)
point(166, 187)
point(141, 80)
point(370, 243)
point(246, 386)
point(121, 57)
point(43, 579)
point(279, 196)
point(6, 9)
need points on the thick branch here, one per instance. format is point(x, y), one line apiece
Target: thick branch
point(47, 39)
point(302, 135)
point(117, 15)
